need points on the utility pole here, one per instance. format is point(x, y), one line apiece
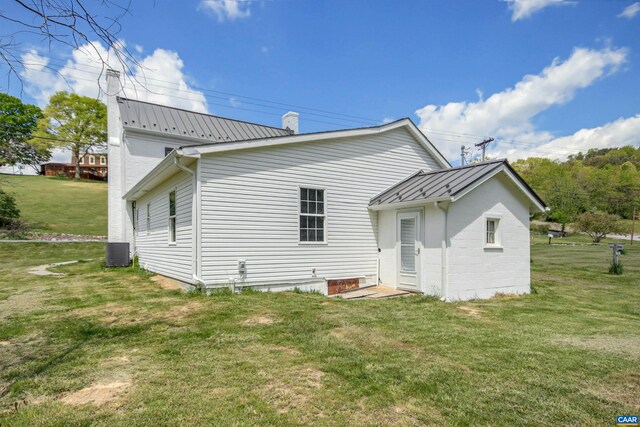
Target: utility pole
point(462, 155)
point(484, 144)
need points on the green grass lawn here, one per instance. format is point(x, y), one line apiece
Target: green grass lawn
point(568, 354)
point(54, 205)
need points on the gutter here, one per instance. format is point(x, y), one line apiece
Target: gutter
point(444, 267)
point(195, 220)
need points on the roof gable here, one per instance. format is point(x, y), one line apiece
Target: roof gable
point(322, 136)
point(449, 185)
point(201, 128)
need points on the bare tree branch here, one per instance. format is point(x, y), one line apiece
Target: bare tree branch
point(72, 23)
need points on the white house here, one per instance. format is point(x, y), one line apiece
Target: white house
point(218, 202)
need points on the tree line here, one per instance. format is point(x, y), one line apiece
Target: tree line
point(602, 179)
point(70, 121)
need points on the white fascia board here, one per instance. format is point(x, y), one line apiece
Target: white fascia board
point(163, 170)
point(292, 139)
point(410, 204)
point(534, 202)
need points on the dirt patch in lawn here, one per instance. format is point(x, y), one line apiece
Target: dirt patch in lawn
point(471, 311)
point(98, 394)
point(294, 390)
point(625, 345)
point(620, 387)
point(259, 320)
point(166, 283)
point(22, 303)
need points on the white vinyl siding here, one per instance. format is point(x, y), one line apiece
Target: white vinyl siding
point(151, 244)
point(250, 206)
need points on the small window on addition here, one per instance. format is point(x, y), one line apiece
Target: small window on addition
point(492, 236)
point(172, 217)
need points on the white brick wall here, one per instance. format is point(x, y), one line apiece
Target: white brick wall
point(476, 271)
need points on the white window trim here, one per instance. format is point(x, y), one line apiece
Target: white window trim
point(174, 217)
point(92, 160)
point(497, 233)
point(148, 218)
point(325, 215)
point(103, 160)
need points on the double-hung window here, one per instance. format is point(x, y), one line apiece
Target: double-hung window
point(172, 217)
point(313, 217)
point(92, 160)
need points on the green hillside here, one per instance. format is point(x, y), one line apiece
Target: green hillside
point(55, 205)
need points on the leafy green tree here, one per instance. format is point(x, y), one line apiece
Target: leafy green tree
point(77, 123)
point(598, 224)
point(17, 124)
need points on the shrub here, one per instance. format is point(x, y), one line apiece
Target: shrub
point(9, 212)
point(598, 224)
point(616, 268)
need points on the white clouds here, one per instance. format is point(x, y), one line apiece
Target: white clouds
point(156, 78)
point(624, 131)
point(630, 11)
point(227, 9)
point(508, 114)
point(524, 8)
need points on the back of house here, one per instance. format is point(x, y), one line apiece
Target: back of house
point(218, 202)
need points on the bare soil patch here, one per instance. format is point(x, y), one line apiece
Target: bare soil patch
point(98, 394)
point(259, 320)
point(295, 389)
point(627, 345)
point(471, 311)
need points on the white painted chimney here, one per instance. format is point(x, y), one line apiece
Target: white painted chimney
point(290, 121)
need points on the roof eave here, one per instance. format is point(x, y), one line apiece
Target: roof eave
point(410, 203)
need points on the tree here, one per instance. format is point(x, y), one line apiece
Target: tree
point(9, 212)
point(60, 23)
point(17, 124)
point(77, 123)
point(598, 224)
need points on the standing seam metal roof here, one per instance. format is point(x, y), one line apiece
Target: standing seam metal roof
point(173, 121)
point(442, 184)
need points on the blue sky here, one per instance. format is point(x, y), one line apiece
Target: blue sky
point(457, 68)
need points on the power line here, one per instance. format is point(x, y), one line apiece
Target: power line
point(210, 94)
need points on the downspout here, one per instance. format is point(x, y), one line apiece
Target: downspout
point(444, 267)
point(195, 255)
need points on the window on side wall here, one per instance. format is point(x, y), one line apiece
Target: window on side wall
point(172, 217)
point(492, 236)
point(92, 160)
point(148, 218)
point(103, 160)
point(313, 216)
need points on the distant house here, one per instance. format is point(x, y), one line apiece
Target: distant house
point(218, 202)
point(92, 166)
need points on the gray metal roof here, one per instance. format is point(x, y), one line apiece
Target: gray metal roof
point(145, 116)
point(442, 184)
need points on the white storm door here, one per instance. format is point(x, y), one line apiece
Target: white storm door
point(409, 249)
